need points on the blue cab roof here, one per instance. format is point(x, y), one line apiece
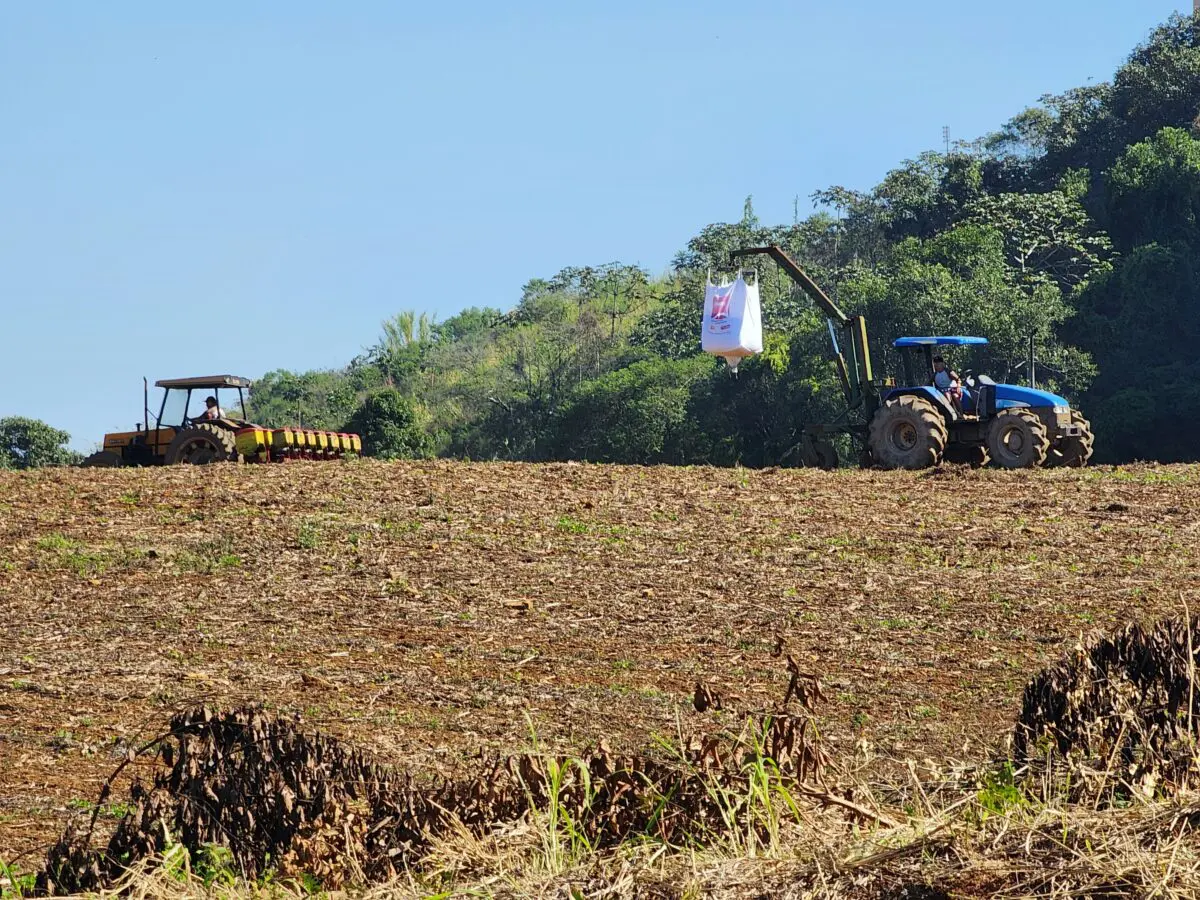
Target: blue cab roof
point(951, 340)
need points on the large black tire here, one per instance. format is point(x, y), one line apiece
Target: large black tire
point(103, 459)
point(1074, 452)
point(908, 433)
point(1017, 439)
point(201, 444)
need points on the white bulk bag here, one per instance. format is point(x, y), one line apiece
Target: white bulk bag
point(732, 325)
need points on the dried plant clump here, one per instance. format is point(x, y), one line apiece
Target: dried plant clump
point(289, 802)
point(1119, 714)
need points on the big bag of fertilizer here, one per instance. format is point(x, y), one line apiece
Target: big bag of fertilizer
point(732, 325)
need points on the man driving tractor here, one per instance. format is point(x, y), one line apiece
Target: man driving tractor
point(211, 411)
point(947, 381)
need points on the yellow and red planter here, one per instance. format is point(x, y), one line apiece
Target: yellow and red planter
point(279, 444)
point(252, 443)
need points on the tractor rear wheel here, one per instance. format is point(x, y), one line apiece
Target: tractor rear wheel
point(103, 459)
point(908, 433)
point(201, 444)
point(1074, 452)
point(1017, 439)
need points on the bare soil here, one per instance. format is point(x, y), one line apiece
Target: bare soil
point(426, 611)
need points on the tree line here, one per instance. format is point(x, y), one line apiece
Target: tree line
point(1073, 227)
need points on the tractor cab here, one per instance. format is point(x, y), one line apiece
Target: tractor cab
point(183, 399)
point(917, 355)
point(983, 398)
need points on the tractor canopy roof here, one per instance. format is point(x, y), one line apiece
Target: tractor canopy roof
point(950, 340)
point(205, 382)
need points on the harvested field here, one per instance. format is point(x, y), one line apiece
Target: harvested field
point(424, 611)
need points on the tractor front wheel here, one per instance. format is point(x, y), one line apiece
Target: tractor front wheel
point(200, 445)
point(103, 459)
point(1017, 439)
point(908, 433)
point(1074, 452)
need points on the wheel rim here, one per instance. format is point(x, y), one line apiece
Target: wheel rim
point(1014, 441)
point(904, 436)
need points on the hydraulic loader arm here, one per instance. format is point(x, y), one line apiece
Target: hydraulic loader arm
point(853, 355)
point(799, 276)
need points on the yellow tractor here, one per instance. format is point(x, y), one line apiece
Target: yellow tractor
point(209, 435)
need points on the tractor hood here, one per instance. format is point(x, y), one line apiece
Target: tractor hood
point(1008, 395)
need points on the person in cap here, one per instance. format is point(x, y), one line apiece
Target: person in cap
point(211, 411)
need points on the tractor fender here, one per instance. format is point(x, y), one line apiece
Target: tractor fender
point(927, 392)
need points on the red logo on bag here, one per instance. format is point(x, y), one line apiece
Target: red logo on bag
point(720, 305)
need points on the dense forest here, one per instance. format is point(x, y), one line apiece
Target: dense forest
point(1074, 224)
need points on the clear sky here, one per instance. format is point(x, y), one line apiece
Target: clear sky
point(200, 188)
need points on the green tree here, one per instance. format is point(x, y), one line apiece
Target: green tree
point(1072, 130)
point(636, 414)
point(316, 399)
point(469, 323)
point(672, 328)
point(1047, 237)
point(1154, 191)
point(389, 427)
point(1142, 421)
point(918, 199)
point(401, 346)
point(32, 444)
point(1141, 315)
point(1025, 137)
point(1160, 84)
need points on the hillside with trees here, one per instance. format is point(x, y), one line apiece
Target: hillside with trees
point(1074, 225)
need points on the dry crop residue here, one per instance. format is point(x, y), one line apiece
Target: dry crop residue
point(426, 610)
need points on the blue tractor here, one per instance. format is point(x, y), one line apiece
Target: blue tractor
point(914, 424)
point(1016, 427)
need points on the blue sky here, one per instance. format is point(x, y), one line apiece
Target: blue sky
point(189, 189)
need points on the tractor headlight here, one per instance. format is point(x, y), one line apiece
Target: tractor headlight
point(1062, 410)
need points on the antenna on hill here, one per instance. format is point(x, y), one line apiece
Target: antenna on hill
point(946, 128)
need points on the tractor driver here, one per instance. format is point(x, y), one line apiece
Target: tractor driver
point(947, 381)
point(212, 411)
